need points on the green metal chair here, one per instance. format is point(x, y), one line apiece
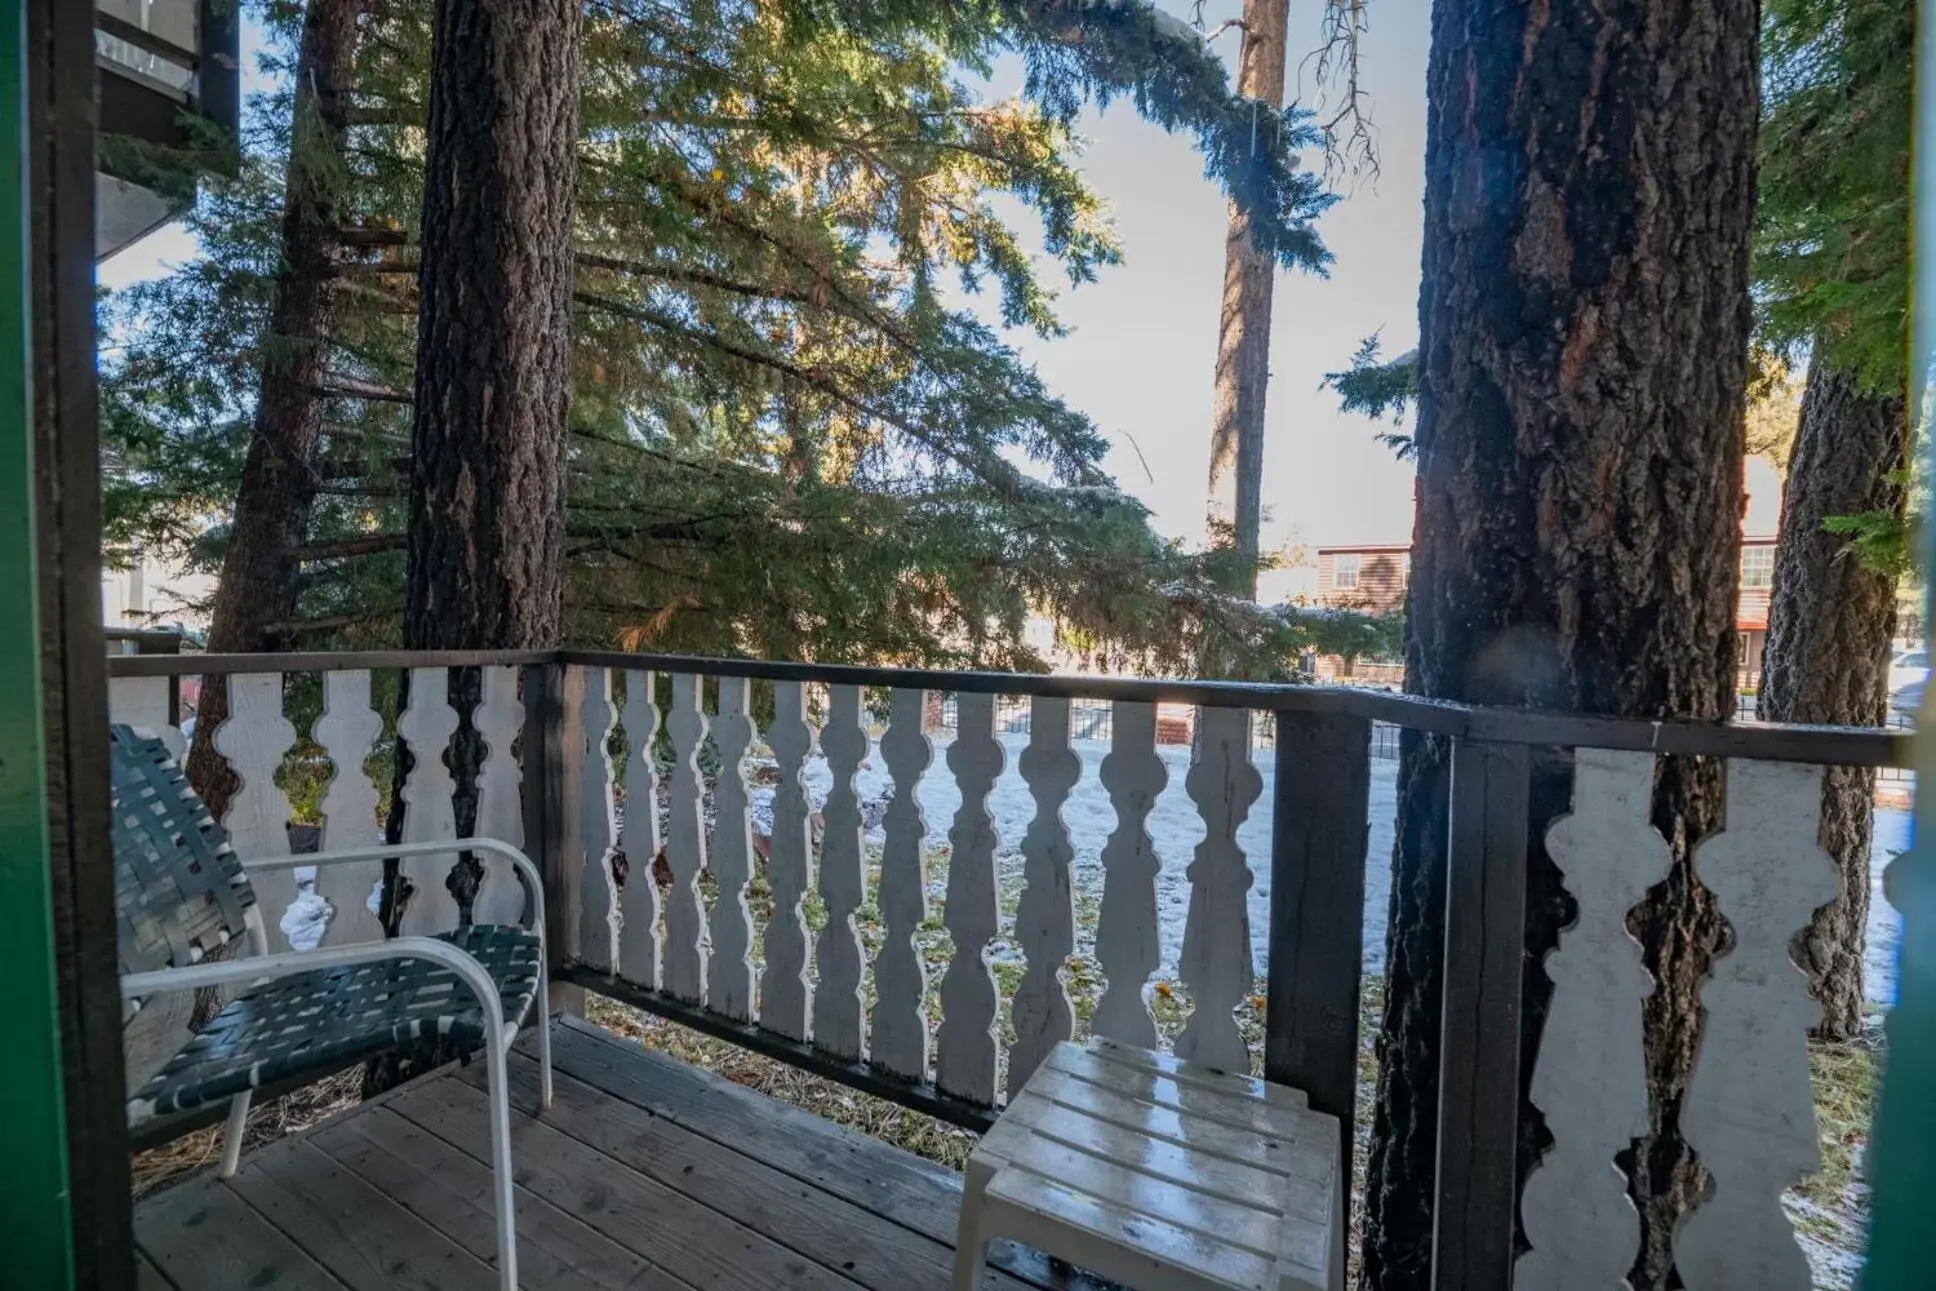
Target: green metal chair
point(181, 890)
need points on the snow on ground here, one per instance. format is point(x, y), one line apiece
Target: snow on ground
point(1885, 925)
point(1176, 830)
point(1173, 825)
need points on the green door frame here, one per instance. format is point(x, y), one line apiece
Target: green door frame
point(34, 1193)
point(1902, 1144)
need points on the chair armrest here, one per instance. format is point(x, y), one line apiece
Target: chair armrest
point(437, 847)
point(288, 963)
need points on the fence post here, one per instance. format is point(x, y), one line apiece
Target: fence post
point(1485, 932)
point(1320, 828)
point(548, 820)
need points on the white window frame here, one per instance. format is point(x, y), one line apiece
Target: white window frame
point(1339, 564)
point(1760, 582)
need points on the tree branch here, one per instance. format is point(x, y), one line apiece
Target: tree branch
point(342, 548)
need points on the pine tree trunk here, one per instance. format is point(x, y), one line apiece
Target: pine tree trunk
point(1243, 336)
point(487, 486)
point(1584, 322)
point(486, 566)
point(1829, 627)
point(256, 595)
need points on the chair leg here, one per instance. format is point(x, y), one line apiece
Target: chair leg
point(499, 1082)
point(232, 1137)
point(542, 1008)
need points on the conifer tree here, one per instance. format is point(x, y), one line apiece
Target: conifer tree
point(1832, 264)
point(783, 439)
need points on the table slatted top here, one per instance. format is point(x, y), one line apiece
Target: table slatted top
point(1218, 1180)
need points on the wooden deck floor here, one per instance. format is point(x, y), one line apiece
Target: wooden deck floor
point(645, 1173)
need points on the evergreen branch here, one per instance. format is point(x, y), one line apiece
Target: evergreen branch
point(329, 623)
point(370, 544)
point(339, 387)
point(363, 237)
point(986, 464)
point(757, 291)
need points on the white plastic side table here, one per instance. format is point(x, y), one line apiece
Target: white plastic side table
point(1160, 1175)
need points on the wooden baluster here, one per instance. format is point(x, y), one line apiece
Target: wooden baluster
point(687, 944)
point(500, 805)
point(638, 952)
point(598, 827)
point(147, 703)
point(1216, 936)
point(1126, 942)
point(729, 974)
point(1485, 925)
point(1750, 1110)
point(784, 992)
point(426, 726)
point(900, 1040)
point(255, 739)
point(1590, 1078)
point(347, 729)
point(1045, 919)
point(837, 1003)
point(965, 1050)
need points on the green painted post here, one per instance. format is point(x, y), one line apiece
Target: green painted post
point(35, 1227)
point(1902, 1148)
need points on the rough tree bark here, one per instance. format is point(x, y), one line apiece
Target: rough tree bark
point(1829, 626)
point(486, 563)
point(1584, 326)
point(1243, 337)
point(256, 594)
point(487, 485)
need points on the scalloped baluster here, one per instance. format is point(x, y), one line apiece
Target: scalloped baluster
point(499, 719)
point(729, 975)
point(1215, 963)
point(687, 945)
point(426, 726)
point(784, 992)
point(1590, 1078)
point(598, 826)
point(1750, 1110)
point(143, 703)
point(965, 1049)
point(1126, 941)
point(1045, 919)
point(837, 1004)
point(638, 951)
point(255, 739)
point(900, 1040)
point(348, 729)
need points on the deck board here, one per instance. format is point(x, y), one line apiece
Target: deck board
point(865, 1247)
point(367, 1240)
point(699, 1245)
point(147, 1277)
point(199, 1234)
point(645, 1174)
point(451, 1191)
point(860, 1170)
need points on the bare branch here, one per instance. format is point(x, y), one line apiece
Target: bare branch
point(1350, 137)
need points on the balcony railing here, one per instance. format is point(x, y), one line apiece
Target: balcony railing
point(575, 742)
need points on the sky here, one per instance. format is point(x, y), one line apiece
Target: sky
point(1140, 356)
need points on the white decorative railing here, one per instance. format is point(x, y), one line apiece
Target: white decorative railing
point(790, 973)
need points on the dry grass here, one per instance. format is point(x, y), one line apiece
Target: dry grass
point(1830, 1208)
point(911, 1131)
point(277, 1118)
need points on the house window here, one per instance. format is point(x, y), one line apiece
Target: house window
point(1757, 568)
point(1344, 572)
